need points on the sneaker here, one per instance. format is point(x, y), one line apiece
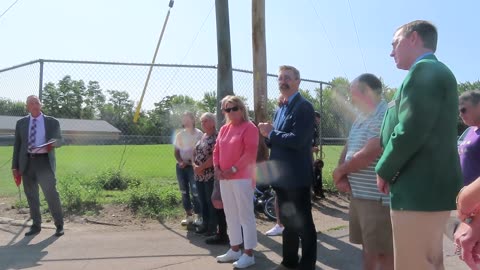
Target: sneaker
point(230, 256)
point(187, 221)
point(198, 221)
point(276, 230)
point(217, 239)
point(244, 261)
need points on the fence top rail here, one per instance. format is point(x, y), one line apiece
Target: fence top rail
point(19, 65)
point(138, 64)
point(276, 75)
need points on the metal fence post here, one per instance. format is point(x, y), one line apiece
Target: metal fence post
point(320, 128)
point(40, 80)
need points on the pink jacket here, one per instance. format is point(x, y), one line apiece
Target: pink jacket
point(237, 146)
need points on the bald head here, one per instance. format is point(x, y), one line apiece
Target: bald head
point(34, 105)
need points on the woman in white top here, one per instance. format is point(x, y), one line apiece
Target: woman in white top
point(185, 141)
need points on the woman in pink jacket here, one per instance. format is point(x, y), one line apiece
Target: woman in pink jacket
point(234, 160)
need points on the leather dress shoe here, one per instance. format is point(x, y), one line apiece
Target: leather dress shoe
point(59, 231)
point(33, 230)
point(282, 267)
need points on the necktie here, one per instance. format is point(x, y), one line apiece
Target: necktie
point(33, 133)
point(283, 103)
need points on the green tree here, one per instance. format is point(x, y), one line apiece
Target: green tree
point(12, 108)
point(337, 113)
point(467, 86)
point(94, 101)
point(72, 99)
point(208, 102)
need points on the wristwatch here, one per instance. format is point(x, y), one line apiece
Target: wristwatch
point(234, 169)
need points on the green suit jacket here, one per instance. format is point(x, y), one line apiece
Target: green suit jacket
point(419, 132)
point(20, 146)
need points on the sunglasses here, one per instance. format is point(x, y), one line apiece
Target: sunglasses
point(463, 110)
point(228, 110)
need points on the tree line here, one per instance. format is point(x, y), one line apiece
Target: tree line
point(69, 98)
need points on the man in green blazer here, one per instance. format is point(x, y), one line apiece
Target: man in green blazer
point(36, 164)
point(420, 165)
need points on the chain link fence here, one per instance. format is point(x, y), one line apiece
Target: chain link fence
point(95, 102)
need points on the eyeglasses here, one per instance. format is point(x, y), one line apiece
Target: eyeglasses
point(284, 78)
point(463, 110)
point(228, 110)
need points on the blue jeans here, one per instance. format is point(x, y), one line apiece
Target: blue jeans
point(186, 183)
point(205, 190)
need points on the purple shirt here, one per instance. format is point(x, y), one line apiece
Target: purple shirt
point(469, 151)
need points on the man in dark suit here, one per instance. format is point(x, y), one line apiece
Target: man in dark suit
point(290, 140)
point(420, 166)
point(37, 164)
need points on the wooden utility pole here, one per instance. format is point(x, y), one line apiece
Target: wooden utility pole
point(260, 97)
point(224, 53)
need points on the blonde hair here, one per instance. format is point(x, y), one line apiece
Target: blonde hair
point(224, 101)
point(237, 101)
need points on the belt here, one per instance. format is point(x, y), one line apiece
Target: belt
point(37, 155)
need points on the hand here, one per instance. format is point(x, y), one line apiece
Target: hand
point(182, 164)
point(467, 237)
point(218, 174)
point(265, 129)
point(343, 185)
point(198, 170)
point(466, 205)
point(315, 149)
point(382, 185)
point(338, 174)
point(227, 173)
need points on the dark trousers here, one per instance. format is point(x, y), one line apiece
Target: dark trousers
point(222, 222)
point(205, 190)
point(39, 172)
point(187, 184)
point(296, 215)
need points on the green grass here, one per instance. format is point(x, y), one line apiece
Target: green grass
point(149, 163)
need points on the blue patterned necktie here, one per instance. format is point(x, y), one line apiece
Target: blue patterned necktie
point(33, 133)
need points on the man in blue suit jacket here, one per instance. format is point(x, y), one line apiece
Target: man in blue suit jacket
point(290, 140)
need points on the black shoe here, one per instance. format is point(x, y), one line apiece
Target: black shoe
point(200, 230)
point(59, 231)
point(217, 240)
point(33, 230)
point(210, 233)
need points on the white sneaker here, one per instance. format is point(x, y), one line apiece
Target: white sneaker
point(230, 256)
point(244, 261)
point(198, 221)
point(276, 230)
point(187, 221)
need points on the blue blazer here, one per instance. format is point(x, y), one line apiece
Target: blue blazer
point(291, 164)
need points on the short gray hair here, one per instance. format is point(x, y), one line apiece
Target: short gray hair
point(473, 96)
point(210, 116)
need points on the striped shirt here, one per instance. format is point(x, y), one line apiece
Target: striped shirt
point(366, 127)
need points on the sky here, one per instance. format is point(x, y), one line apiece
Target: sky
point(319, 37)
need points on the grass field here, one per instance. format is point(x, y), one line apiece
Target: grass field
point(147, 162)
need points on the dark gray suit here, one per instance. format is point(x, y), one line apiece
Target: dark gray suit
point(38, 169)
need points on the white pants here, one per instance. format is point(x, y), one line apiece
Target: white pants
point(237, 197)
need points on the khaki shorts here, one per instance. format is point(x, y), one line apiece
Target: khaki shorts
point(370, 226)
